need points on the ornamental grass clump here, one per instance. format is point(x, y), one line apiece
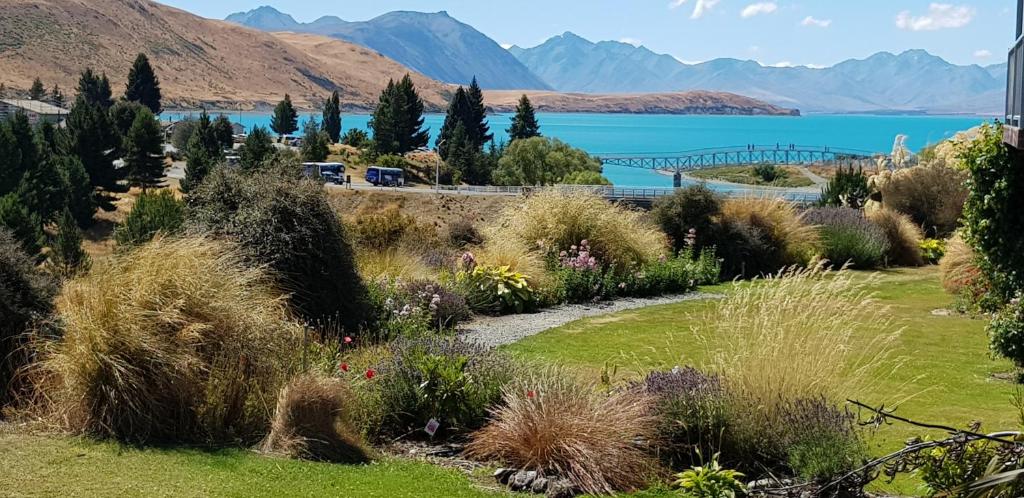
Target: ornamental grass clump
point(312, 421)
point(961, 272)
point(905, 238)
point(553, 423)
point(175, 341)
point(848, 238)
point(776, 232)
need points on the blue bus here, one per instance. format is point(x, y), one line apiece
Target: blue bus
point(388, 177)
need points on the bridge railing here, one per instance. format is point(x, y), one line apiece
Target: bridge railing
point(623, 193)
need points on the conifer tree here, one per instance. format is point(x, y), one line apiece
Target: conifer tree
point(24, 225)
point(257, 149)
point(56, 96)
point(458, 111)
point(315, 142)
point(143, 85)
point(91, 137)
point(42, 190)
point(122, 117)
point(285, 120)
point(476, 125)
point(95, 89)
point(202, 153)
point(10, 160)
point(332, 117)
point(411, 134)
point(37, 91)
point(67, 258)
point(224, 131)
point(384, 123)
point(524, 123)
point(143, 149)
point(78, 190)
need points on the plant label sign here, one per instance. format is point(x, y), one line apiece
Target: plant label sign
point(432, 427)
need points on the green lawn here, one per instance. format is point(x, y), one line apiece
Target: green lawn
point(790, 177)
point(50, 466)
point(948, 368)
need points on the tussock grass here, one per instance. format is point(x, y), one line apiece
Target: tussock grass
point(517, 256)
point(904, 236)
point(376, 264)
point(177, 340)
point(779, 220)
point(959, 266)
point(558, 220)
point(311, 422)
point(554, 423)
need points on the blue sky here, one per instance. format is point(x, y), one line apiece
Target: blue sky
point(773, 32)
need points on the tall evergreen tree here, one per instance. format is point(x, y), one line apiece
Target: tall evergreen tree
point(57, 96)
point(224, 131)
point(202, 153)
point(411, 134)
point(285, 120)
point(143, 86)
point(257, 149)
point(43, 190)
point(37, 91)
point(332, 117)
point(143, 149)
point(476, 126)
point(122, 117)
point(67, 258)
point(78, 190)
point(315, 142)
point(91, 137)
point(524, 123)
point(25, 226)
point(95, 89)
point(384, 122)
point(10, 160)
point(459, 112)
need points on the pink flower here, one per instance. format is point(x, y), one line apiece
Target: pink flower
point(371, 373)
point(343, 367)
point(530, 394)
point(348, 340)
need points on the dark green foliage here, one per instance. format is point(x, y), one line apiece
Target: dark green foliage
point(849, 237)
point(315, 142)
point(202, 153)
point(462, 155)
point(49, 137)
point(91, 137)
point(143, 151)
point(476, 124)
point(285, 119)
point(224, 131)
point(848, 188)
point(691, 411)
point(122, 117)
point(143, 86)
point(57, 96)
point(397, 122)
point(154, 212)
point(43, 189)
point(332, 118)
point(37, 91)
point(541, 161)
point(746, 250)
point(67, 258)
point(10, 161)
point(585, 178)
point(257, 149)
point(459, 113)
point(1006, 333)
point(524, 123)
point(23, 151)
point(993, 218)
point(767, 172)
point(26, 296)
point(820, 440)
point(78, 190)
point(95, 89)
point(24, 225)
point(182, 133)
point(693, 208)
point(356, 138)
point(282, 220)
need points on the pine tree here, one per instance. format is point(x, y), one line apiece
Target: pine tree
point(332, 117)
point(67, 258)
point(458, 112)
point(91, 137)
point(224, 131)
point(315, 142)
point(37, 91)
point(56, 96)
point(411, 134)
point(257, 149)
point(78, 190)
point(285, 120)
point(524, 123)
point(476, 125)
point(201, 154)
point(384, 122)
point(95, 89)
point(143, 149)
point(461, 152)
point(10, 160)
point(43, 190)
point(24, 225)
point(122, 117)
point(143, 86)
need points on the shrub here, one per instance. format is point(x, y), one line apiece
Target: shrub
point(440, 378)
point(585, 178)
point(552, 423)
point(518, 257)
point(848, 238)
point(26, 297)
point(463, 233)
point(24, 226)
point(391, 264)
point(905, 238)
point(381, 229)
point(356, 138)
point(768, 172)
point(1006, 333)
point(541, 161)
point(775, 225)
point(933, 196)
point(932, 250)
point(446, 308)
point(153, 213)
point(392, 161)
point(689, 406)
point(176, 341)
point(946, 470)
point(711, 481)
point(496, 289)
point(820, 439)
point(414, 308)
point(693, 208)
point(312, 421)
point(848, 188)
point(553, 221)
point(283, 221)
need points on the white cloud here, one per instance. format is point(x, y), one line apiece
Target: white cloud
point(700, 7)
point(759, 8)
point(939, 16)
point(818, 23)
point(782, 64)
point(631, 41)
point(982, 54)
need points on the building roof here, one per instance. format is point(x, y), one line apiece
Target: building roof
point(35, 106)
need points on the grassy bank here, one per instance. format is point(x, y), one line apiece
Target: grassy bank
point(790, 176)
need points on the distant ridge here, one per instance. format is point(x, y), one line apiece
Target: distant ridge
point(434, 44)
point(913, 81)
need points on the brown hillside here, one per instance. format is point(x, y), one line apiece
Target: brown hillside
point(199, 61)
point(695, 102)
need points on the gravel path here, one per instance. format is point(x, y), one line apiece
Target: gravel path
point(498, 331)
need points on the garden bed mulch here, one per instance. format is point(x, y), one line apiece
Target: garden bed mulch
point(501, 330)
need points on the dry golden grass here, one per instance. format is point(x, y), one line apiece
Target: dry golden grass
point(557, 220)
point(932, 195)
point(177, 340)
point(780, 221)
point(311, 422)
point(904, 236)
point(515, 255)
point(553, 423)
point(392, 263)
point(959, 266)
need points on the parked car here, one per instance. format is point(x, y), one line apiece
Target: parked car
point(388, 177)
point(329, 172)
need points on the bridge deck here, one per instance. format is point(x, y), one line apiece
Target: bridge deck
point(742, 155)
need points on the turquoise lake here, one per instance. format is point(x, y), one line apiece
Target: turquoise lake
point(667, 134)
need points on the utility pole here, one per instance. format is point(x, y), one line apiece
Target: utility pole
point(437, 167)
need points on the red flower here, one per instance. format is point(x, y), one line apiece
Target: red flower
point(348, 340)
point(530, 394)
point(343, 367)
point(370, 374)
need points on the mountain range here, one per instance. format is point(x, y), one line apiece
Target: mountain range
point(434, 44)
point(913, 81)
